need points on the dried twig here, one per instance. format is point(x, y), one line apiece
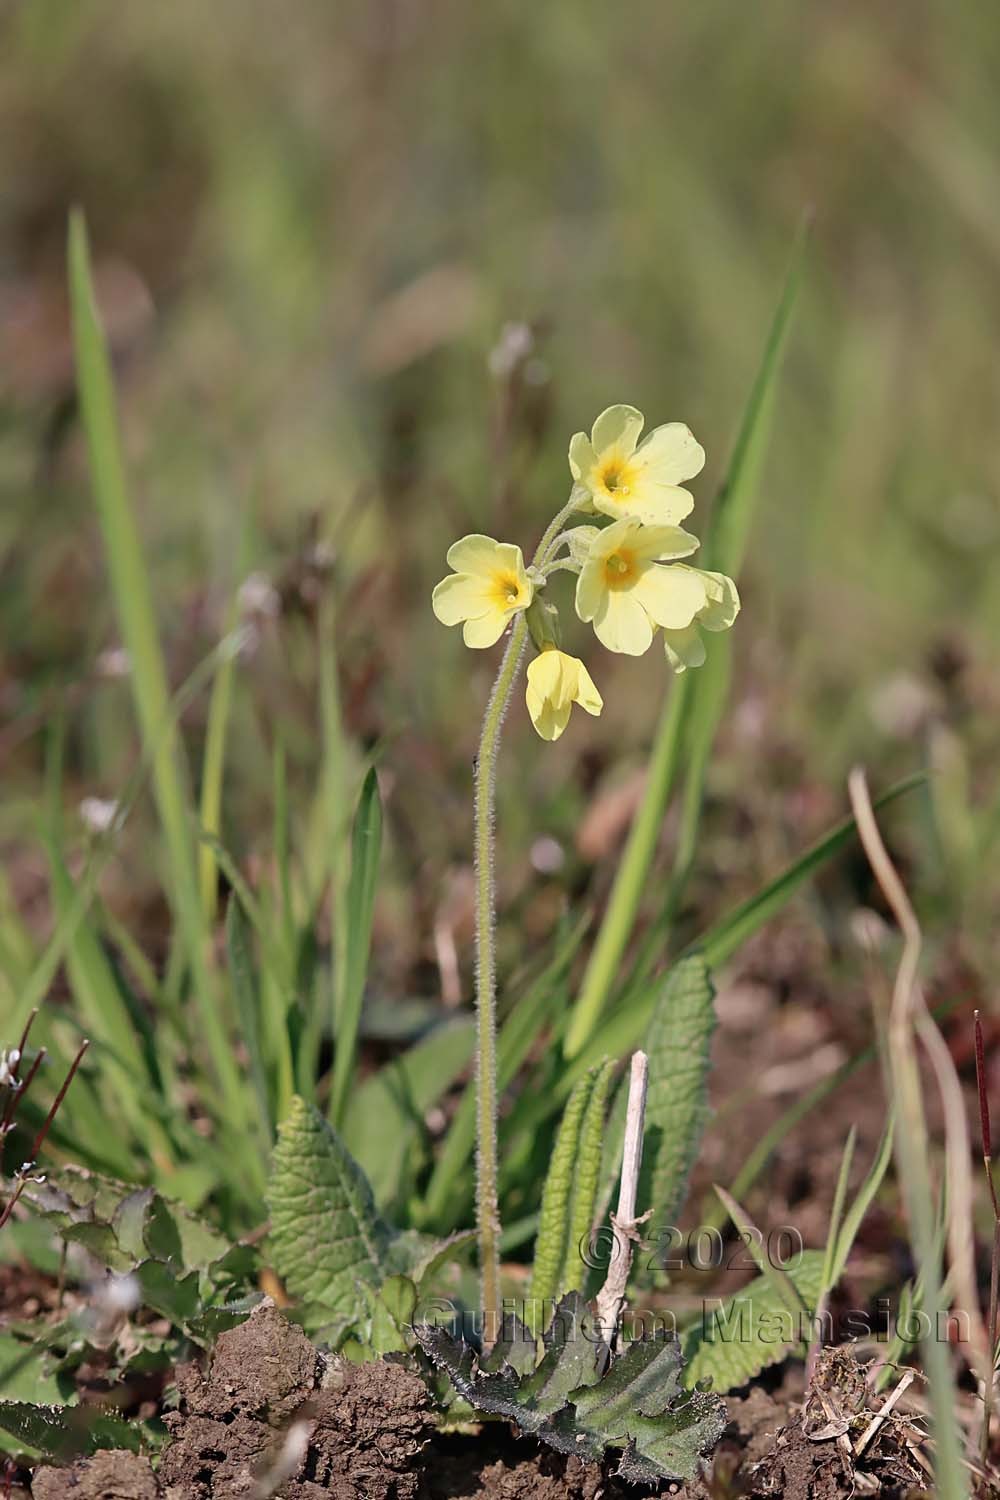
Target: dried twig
point(625, 1225)
point(907, 1379)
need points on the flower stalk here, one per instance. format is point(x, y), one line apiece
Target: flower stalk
point(630, 588)
point(487, 1203)
point(487, 1200)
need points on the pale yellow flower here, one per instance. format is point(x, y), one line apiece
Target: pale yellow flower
point(555, 682)
point(619, 478)
point(489, 585)
point(626, 592)
point(685, 648)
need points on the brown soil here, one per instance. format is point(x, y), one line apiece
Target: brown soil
point(106, 1476)
point(274, 1416)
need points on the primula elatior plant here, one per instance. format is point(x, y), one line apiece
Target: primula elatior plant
point(630, 584)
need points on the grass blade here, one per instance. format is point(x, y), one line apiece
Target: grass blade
point(365, 851)
point(212, 768)
point(627, 1023)
point(134, 606)
point(836, 1214)
point(722, 940)
point(693, 709)
point(856, 1213)
point(247, 1009)
point(782, 1284)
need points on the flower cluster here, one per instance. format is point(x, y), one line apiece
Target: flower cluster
point(630, 580)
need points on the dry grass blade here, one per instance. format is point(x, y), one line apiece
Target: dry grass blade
point(909, 1018)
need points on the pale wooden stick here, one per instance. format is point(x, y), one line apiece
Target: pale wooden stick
point(625, 1225)
point(876, 1422)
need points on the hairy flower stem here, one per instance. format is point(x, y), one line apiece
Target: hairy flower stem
point(487, 1206)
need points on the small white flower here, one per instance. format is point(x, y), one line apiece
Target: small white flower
point(515, 343)
point(99, 814)
point(114, 662)
point(258, 596)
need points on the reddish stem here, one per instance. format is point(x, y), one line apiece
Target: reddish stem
point(40, 1137)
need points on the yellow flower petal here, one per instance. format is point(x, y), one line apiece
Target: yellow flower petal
point(664, 543)
point(460, 597)
point(723, 602)
point(684, 648)
point(486, 630)
point(621, 624)
point(590, 589)
point(647, 501)
point(671, 597)
point(586, 694)
point(670, 454)
point(484, 556)
point(617, 427)
point(581, 455)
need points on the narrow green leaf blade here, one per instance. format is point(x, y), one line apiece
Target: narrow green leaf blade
point(130, 586)
point(244, 986)
point(866, 1192)
point(366, 848)
point(386, 1114)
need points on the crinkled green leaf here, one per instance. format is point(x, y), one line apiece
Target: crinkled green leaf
point(638, 1406)
point(25, 1374)
point(421, 1257)
point(121, 1224)
point(677, 1044)
point(550, 1243)
point(62, 1432)
point(570, 1194)
point(734, 1340)
point(393, 1306)
point(583, 1202)
point(326, 1234)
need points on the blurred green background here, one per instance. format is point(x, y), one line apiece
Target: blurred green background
point(366, 267)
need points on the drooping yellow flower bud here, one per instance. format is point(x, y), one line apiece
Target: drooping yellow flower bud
point(555, 682)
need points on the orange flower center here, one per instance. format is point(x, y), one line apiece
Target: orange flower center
point(620, 569)
point(507, 590)
point(614, 477)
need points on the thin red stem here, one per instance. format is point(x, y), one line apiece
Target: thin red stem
point(40, 1137)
